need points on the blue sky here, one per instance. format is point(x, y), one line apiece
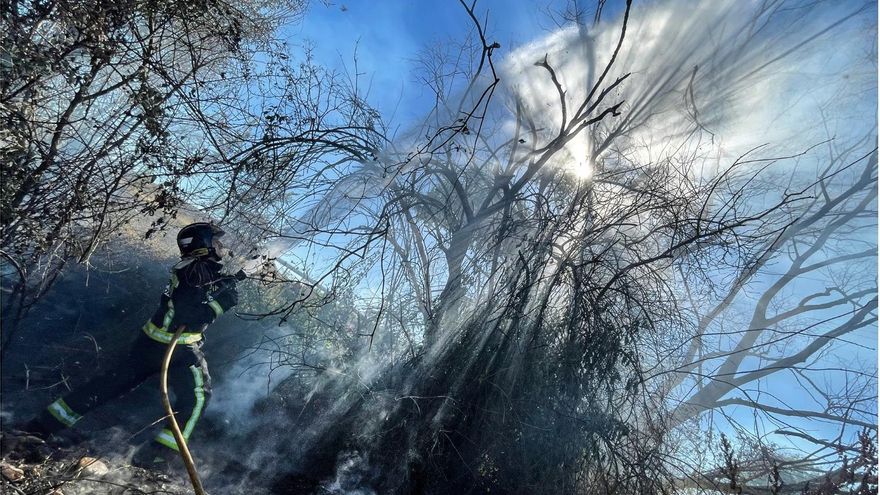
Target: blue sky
point(389, 34)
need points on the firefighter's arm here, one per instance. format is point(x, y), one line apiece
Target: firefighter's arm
point(196, 306)
point(223, 297)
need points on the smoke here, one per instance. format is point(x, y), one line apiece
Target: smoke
point(352, 471)
point(742, 76)
point(744, 73)
point(250, 378)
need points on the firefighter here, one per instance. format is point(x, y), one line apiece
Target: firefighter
point(197, 294)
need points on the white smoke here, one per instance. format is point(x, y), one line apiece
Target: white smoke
point(352, 471)
point(251, 377)
point(743, 77)
point(746, 76)
point(789, 77)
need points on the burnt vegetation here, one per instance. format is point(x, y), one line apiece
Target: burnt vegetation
point(475, 316)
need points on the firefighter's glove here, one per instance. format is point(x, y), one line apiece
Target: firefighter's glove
point(226, 296)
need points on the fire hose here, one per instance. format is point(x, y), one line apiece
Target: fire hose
point(175, 428)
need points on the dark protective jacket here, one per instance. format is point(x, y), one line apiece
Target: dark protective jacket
point(188, 300)
point(196, 294)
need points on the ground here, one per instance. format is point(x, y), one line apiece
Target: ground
point(33, 467)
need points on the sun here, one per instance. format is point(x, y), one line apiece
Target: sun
point(583, 170)
point(576, 158)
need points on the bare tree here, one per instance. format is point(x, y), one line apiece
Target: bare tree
point(540, 285)
point(791, 315)
point(115, 111)
point(531, 302)
point(91, 95)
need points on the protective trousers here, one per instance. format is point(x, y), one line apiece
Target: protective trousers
point(188, 379)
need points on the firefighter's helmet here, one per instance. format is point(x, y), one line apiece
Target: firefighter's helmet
point(197, 239)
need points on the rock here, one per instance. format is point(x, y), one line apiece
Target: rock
point(56, 492)
point(11, 472)
point(93, 467)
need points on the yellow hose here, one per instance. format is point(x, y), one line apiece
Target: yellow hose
point(175, 428)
